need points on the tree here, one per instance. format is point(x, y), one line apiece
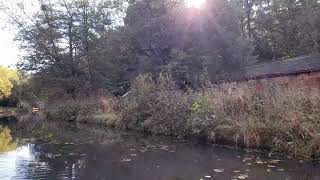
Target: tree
point(7, 78)
point(286, 28)
point(166, 34)
point(62, 40)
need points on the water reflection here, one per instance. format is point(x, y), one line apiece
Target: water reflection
point(6, 141)
point(50, 150)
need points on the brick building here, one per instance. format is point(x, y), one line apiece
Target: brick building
point(301, 72)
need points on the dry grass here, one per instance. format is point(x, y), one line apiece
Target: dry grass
point(272, 117)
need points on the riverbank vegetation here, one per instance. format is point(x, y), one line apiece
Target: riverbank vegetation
point(276, 118)
point(162, 67)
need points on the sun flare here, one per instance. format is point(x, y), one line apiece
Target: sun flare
point(195, 3)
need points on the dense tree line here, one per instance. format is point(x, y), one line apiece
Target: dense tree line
point(78, 48)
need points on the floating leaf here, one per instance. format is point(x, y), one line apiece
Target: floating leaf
point(259, 162)
point(246, 159)
point(243, 176)
point(274, 161)
point(218, 170)
point(126, 160)
point(271, 166)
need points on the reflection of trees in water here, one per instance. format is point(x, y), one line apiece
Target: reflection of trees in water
point(6, 141)
point(9, 122)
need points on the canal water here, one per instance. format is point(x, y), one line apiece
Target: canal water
point(39, 149)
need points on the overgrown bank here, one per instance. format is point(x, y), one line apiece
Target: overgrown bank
point(274, 118)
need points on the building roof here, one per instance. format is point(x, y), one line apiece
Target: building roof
point(298, 65)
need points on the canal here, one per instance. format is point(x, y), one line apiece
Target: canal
point(32, 148)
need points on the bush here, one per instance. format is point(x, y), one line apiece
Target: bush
point(156, 105)
point(66, 111)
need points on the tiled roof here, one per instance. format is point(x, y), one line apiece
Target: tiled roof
point(286, 67)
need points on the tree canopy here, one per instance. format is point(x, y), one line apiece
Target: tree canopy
point(7, 78)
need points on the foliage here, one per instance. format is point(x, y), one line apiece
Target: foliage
point(7, 79)
point(283, 28)
point(186, 42)
point(67, 111)
point(156, 105)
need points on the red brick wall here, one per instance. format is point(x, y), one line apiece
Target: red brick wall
point(303, 80)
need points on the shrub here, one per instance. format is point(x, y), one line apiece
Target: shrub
point(66, 111)
point(157, 105)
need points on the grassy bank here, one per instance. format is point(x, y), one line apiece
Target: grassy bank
point(273, 118)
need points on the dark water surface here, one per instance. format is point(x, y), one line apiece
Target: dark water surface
point(51, 150)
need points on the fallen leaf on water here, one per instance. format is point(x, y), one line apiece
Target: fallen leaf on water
point(126, 160)
point(218, 170)
point(246, 159)
point(271, 166)
point(274, 161)
point(243, 176)
point(165, 147)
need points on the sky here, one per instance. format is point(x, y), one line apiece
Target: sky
point(9, 51)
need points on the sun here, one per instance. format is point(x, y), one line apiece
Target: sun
point(195, 3)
